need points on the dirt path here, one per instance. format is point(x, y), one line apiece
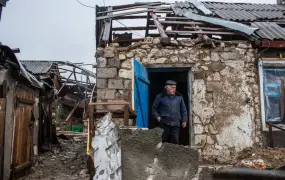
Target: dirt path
point(69, 164)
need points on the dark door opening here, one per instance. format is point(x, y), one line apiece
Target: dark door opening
point(157, 78)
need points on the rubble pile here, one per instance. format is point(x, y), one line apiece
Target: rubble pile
point(269, 157)
point(69, 163)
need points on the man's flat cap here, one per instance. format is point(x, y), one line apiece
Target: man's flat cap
point(170, 82)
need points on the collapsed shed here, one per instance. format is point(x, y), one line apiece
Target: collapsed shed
point(20, 92)
point(211, 49)
point(71, 83)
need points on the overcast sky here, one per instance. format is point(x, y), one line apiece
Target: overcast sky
point(58, 29)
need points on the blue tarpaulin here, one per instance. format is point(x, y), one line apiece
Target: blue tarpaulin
point(271, 84)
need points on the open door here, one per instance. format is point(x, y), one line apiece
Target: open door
point(141, 103)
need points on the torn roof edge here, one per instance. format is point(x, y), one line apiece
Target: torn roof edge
point(225, 23)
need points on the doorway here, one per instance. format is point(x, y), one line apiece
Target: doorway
point(157, 78)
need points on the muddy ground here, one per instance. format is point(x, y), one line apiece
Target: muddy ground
point(70, 163)
point(274, 157)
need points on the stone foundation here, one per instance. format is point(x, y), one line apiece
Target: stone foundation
point(225, 93)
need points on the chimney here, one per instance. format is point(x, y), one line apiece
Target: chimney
point(281, 2)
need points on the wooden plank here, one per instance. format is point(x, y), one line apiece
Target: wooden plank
point(108, 26)
point(126, 115)
point(272, 44)
point(270, 136)
point(72, 111)
point(200, 32)
point(22, 167)
point(147, 24)
point(182, 22)
point(25, 101)
point(108, 103)
point(132, 7)
point(135, 5)
point(162, 11)
point(137, 28)
point(131, 17)
point(64, 83)
point(16, 135)
point(123, 14)
point(91, 128)
point(164, 38)
point(2, 132)
point(282, 99)
point(131, 40)
point(206, 28)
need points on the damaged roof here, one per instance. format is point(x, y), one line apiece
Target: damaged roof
point(269, 30)
point(187, 19)
point(38, 67)
point(233, 11)
point(9, 60)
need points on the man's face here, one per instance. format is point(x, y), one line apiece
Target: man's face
point(171, 89)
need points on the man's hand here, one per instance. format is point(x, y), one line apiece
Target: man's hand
point(184, 124)
point(158, 119)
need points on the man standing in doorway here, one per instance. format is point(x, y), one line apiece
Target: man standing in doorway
point(170, 111)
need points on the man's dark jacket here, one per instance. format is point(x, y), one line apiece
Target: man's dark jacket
point(171, 109)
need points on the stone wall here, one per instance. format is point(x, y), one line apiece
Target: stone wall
point(225, 93)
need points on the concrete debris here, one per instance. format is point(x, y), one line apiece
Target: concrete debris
point(144, 157)
point(70, 163)
point(107, 156)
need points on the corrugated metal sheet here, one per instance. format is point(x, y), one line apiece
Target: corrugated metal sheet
point(269, 30)
point(221, 22)
point(235, 11)
point(236, 15)
point(37, 67)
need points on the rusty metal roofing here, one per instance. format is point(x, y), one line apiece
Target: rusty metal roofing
point(8, 57)
point(233, 11)
point(37, 67)
point(269, 30)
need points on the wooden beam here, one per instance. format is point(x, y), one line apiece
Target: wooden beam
point(130, 17)
point(131, 40)
point(92, 94)
point(162, 11)
point(273, 44)
point(71, 113)
point(136, 4)
point(206, 28)
point(68, 70)
point(147, 24)
point(107, 26)
point(124, 14)
point(171, 35)
point(129, 8)
point(109, 103)
point(64, 83)
point(138, 28)
point(164, 38)
point(200, 32)
point(2, 132)
point(25, 101)
point(78, 84)
point(182, 22)
point(126, 115)
point(282, 99)
point(180, 18)
point(72, 81)
point(91, 128)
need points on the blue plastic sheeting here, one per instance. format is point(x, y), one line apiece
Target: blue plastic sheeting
point(141, 94)
point(271, 85)
point(228, 24)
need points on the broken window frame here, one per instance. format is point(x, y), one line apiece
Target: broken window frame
point(265, 65)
